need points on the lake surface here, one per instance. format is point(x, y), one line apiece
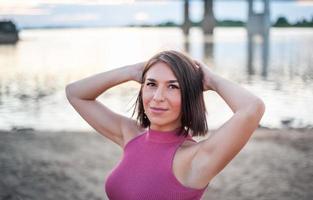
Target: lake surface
point(34, 72)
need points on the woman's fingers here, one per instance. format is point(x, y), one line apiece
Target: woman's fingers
point(207, 73)
point(197, 63)
point(138, 69)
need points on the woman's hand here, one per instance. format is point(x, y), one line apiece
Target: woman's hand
point(138, 69)
point(207, 76)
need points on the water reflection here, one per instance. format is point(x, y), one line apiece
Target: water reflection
point(251, 51)
point(207, 43)
point(33, 73)
point(288, 79)
point(254, 41)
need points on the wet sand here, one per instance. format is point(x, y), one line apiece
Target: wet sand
point(275, 164)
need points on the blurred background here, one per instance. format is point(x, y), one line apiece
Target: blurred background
point(264, 45)
point(63, 41)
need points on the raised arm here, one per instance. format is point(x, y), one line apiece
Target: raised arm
point(214, 153)
point(82, 96)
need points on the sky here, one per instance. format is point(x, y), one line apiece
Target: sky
point(40, 13)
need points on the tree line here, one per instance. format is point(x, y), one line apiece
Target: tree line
point(280, 22)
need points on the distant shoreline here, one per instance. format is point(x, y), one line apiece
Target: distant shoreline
point(95, 27)
point(281, 22)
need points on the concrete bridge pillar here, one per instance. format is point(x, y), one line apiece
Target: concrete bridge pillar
point(258, 24)
point(187, 23)
point(208, 22)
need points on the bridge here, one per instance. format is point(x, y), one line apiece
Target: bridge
point(258, 23)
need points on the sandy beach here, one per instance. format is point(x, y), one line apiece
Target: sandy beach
point(37, 165)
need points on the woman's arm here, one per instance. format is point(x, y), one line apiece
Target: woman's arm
point(91, 87)
point(214, 153)
point(82, 96)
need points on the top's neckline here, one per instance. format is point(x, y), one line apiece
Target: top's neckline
point(164, 136)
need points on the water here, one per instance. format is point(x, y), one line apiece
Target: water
point(34, 72)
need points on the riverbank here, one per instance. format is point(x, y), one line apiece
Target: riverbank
point(275, 164)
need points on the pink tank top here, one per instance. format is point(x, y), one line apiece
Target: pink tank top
point(145, 170)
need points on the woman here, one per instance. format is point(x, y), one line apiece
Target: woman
point(161, 160)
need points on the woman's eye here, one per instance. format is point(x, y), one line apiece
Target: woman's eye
point(150, 84)
point(173, 87)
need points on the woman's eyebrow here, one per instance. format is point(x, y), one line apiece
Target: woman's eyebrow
point(170, 81)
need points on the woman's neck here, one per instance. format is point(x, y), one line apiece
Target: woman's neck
point(164, 128)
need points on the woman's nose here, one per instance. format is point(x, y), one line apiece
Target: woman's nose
point(159, 95)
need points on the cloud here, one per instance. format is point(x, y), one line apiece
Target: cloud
point(75, 17)
point(43, 7)
point(18, 10)
point(5, 3)
point(141, 16)
point(304, 3)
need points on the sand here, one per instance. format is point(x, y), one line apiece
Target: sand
point(275, 164)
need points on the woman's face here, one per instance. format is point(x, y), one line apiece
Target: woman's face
point(161, 98)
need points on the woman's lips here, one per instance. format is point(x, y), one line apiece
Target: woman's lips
point(157, 110)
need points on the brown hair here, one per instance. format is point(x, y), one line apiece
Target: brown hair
point(190, 78)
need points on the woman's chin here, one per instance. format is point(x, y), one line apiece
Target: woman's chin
point(157, 123)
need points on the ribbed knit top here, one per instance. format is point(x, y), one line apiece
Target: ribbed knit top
point(145, 170)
